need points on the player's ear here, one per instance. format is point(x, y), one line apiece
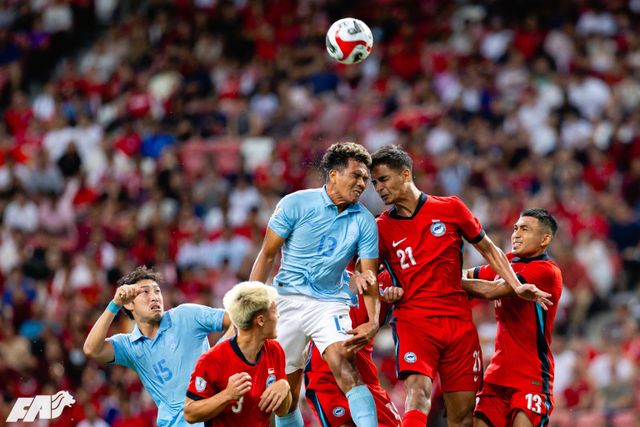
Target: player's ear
point(546, 239)
point(406, 174)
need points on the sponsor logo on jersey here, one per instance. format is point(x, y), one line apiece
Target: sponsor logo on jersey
point(394, 244)
point(410, 357)
point(270, 380)
point(201, 384)
point(338, 411)
point(438, 229)
point(271, 371)
point(44, 407)
point(170, 341)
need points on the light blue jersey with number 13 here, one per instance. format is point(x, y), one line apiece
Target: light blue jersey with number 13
point(320, 243)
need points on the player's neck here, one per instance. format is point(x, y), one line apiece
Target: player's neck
point(149, 329)
point(250, 345)
point(406, 206)
point(337, 199)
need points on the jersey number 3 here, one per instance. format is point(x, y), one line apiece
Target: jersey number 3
point(238, 406)
point(407, 255)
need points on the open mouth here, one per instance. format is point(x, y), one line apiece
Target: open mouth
point(156, 307)
point(516, 245)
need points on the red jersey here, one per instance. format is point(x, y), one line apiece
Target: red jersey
point(317, 373)
point(212, 372)
point(424, 256)
point(523, 358)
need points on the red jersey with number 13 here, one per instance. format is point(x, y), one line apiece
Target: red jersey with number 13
point(423, 253)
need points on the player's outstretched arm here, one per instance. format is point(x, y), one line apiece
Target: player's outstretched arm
point(270, 248)
point(487, 290)
point(276, 398)
point(198, 411)
point(500, 264)
point(96, 345)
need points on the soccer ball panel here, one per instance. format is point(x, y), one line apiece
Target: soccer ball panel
point(349, 41)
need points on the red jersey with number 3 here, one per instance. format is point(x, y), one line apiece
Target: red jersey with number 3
point(523, 358)
point(211, 376)
point(423, 253)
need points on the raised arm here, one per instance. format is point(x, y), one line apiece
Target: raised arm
point(270, 248)
point(96, 346)
point(500, 264)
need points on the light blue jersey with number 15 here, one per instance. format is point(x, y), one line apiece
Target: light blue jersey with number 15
point(165, 363)
point(320, 243)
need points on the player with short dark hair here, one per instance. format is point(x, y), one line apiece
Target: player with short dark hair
point(241, 381)
point(421, 242)
point(518, 384)
point(164, 345)
point(320, 231)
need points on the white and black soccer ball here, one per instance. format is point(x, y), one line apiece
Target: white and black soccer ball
point(349, 41)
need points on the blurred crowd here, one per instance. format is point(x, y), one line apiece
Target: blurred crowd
point(163, 132)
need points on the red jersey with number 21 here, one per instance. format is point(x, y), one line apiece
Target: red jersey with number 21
point(423, 253)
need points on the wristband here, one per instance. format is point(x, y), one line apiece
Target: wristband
point(113, 307)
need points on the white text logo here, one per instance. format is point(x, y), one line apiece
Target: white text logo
point(46, 407)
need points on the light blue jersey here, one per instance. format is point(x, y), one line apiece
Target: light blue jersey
point(165, 363)
point(320, 243)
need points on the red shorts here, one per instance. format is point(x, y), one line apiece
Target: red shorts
point(331, 407)
point(446, 345)
point(501, 404)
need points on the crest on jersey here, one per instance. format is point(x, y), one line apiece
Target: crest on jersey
point(170, 341)
point(410, 357)
point(201, 384)
point(270, 380)
point(438, 228)
point(338, 411)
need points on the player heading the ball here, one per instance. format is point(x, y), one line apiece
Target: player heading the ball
point(421, 240)
point(320, 231)
point(164, 345)
point(240, 381)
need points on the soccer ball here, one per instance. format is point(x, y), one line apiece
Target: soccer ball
point(349, 41)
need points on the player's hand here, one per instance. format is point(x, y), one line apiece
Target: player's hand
point(530, 292)
point(362, 335)
point(125, 294)
point(274, 395)
point(361, 282)
point(239, 384)
point(392, 294)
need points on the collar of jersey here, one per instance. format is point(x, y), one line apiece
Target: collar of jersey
point(354, 207)
point(165, 324)
point(234, 345)
point(542, 257)
point(393, 212)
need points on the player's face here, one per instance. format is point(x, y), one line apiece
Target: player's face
point(388, 183)
point(527, 238)
point(270, 322)
point(350, 182)
point(148, 305)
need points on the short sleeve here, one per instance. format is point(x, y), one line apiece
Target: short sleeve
point(122, 349)
point(205, 318)
point(283, 219)
point(484, 272)
point(471, 229)
point(368, 244)
point(538, 274)
point(201, 385)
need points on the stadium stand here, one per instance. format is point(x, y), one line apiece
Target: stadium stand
point(163, 132)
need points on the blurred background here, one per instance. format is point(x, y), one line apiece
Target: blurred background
point(163, 132)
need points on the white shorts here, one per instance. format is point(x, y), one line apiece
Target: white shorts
point(304, 318)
